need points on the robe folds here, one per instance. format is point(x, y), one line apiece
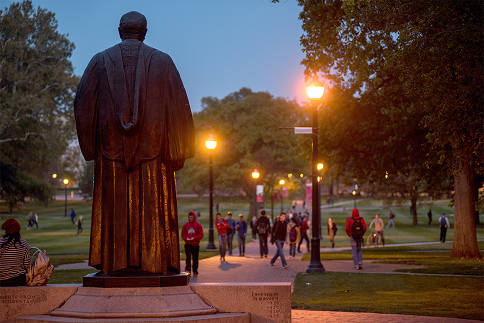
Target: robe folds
point(138, 138)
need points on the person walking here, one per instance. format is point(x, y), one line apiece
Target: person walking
point(192, 233)
point(253, 227)
point(378, 224)
point(390, 220)
point(30, 218)
point(355, 229)
point(278, 236)
point(230, 236)
point(293, 236)
point(332, 228)
point(429, 215)
point(36, 221)
point(304, 234)
point(263, 229)
point(14, 255)
point(444, 225)
point(79, 225)
point(221, 226)
point(241, 227)
point(73, 215)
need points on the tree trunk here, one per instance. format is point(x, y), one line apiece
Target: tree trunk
point(465, 239)
point(413, 199)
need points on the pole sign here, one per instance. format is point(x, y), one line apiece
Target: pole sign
point(260, 193)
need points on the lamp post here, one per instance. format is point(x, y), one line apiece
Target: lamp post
point(320, 167)
point(211, 144)
point(54, 176)
point(66, 181)
point(354, 192)
point(315, 92)
point(255, 176)
point(282, 193)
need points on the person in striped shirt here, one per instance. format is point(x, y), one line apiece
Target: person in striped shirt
point(14, 255)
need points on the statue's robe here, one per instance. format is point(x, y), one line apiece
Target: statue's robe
point(137, 126)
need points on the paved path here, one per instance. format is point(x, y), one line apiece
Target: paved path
point(252, 268)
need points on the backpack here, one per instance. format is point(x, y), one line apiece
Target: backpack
point(262, 228)
point(229, 229)
point(443, 223)
point(357, 229)
point(293, 234)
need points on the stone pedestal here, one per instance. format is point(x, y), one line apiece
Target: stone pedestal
point(89, 302)
point(135, 280)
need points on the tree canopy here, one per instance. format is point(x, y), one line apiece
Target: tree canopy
point(409, 76)
point(246, 127)
point(37, 88)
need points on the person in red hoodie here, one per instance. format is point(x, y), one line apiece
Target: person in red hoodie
point(192, 233)
point(355, 229)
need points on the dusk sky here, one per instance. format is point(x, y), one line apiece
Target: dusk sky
point(218, 46)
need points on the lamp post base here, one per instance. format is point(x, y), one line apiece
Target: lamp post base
point(211, 247)
point(315, 265)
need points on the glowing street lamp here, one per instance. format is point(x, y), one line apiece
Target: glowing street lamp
point(282, 193)
point(315, 92)
point(54, 176)
point(255, 176)
point(211, 143)
point(320, 167)
point(65, 181)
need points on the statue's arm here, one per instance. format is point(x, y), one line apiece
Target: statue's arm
point(85, 110)
point(180, 130)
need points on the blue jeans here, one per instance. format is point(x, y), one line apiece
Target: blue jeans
point(221, 244)
point(378, 233)
point(241, 244)
point(229, 239)
point(356, 250)
point(390, 222)
point(264, 250)
point(292, 249)
point(280, 245)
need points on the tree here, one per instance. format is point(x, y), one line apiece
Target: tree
point(16, 185)
point(87, 177)
point(37, 88)
point(425, 57)
point(246, 127)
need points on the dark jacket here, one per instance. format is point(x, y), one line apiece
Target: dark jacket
point(263, 221)
point(279, 231)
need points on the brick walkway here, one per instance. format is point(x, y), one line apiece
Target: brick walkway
point(252, 268)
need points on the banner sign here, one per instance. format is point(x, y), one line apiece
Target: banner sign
point(260, 193)
point(277, 196)
point(309, 192)
point(285, 192)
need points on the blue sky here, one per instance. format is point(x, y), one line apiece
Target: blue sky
point(217, 46)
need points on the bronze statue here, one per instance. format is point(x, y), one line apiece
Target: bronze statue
point(133, 118)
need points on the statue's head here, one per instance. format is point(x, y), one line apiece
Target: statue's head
point(133, 25)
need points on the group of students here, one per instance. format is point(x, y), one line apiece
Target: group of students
point(226, 229)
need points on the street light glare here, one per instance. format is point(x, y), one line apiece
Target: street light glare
point(54, 175)
point(211, 143)
point(66, 181)
point(315, 89)
point(320, 166)
point(281, 182)
point(315, 92)
point(255, 174)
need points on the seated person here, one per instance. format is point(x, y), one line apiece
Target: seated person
point(14, 255)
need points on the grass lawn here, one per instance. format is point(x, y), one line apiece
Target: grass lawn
point(459, 297)
point(435, 257)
